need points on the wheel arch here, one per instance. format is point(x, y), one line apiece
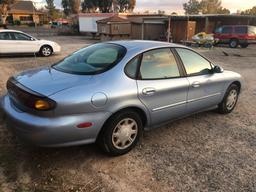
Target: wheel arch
point(136, 109)
point(238, 84)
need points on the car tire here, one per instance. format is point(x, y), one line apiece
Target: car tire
point(233, 43)
point(230, 99)
point(244, 45)
point(46, 51)
point(121, 133)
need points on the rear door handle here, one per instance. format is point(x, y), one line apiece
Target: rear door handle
point(149, 91)
point(196, 84)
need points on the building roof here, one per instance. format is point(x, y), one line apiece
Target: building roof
point(24, 7)
point(96, 14)
point(114, 19)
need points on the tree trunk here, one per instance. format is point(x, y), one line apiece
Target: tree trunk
point(3, 19)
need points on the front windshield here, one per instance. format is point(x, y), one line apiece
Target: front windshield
point(92, 60)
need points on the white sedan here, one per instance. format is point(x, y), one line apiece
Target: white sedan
point(17, 42)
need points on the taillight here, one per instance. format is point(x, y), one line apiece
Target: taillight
point(29, 98)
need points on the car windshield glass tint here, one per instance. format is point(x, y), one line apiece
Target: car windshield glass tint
point(92, 60)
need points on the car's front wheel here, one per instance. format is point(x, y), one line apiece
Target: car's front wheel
point(230, 99)
point(46, 51)
point(121, 133)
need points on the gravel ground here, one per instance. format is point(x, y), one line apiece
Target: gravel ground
point(204, 152)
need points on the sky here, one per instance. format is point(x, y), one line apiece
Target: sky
point(170, 6)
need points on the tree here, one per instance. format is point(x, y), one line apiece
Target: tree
point(105, 6)
point(223, 11)
point(51, 8)
point(192, 7)
point(251, 11)
point(210, 6)
point(5, 6)
point(66, 6)
point(75, 6)
point(132, 4)
point(160, 12)
point(122, 5)
point(89, 6)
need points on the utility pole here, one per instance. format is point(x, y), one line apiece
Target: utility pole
point(169, 29)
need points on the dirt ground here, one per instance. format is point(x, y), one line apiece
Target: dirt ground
point(204, 152)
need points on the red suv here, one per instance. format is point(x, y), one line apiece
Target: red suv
point(235, 35)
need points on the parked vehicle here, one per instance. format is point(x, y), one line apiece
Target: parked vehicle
point(110, 93)
point(17, 42)
point(236, 35)
point(204, 39)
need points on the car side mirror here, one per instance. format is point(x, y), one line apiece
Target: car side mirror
point(32, 39)
point(218, 69)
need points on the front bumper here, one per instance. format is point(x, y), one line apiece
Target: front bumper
point(52, 131)
point(56, 48)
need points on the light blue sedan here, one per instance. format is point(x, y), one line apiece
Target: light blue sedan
point(111, 92)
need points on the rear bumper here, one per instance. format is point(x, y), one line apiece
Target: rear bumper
point(52, 131)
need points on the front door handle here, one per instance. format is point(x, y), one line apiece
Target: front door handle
point(149, 91)
point(196, 84)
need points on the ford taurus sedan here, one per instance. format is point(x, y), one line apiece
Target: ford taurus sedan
point(17, 42)
point(111, 92)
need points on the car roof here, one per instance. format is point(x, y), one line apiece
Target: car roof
point(141, 45)
point(10, 30)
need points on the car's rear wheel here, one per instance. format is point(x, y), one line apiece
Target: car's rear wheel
point(121, 133)
point(233, 43)
point(230, 99)
point(46, 51)
point(244, 45)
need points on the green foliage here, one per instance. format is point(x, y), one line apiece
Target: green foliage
point(51, 8)
point(66, 6)
point(106, 6)
point(89, 6)
point(123, 5)
point(251, 11)
point(192, 7)
point(210, 6)
point(75, 6)
point(204, 6)
point(17, 22)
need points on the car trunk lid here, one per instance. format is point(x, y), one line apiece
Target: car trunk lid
point(48, 81)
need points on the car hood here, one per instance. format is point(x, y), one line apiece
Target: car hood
point(48, 81)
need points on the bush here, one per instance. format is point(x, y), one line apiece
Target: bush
point(17, 22)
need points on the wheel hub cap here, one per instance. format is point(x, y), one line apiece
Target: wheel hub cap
point(124, 133)
point(231, 100)
point(46, 51)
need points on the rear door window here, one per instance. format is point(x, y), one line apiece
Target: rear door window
point(5, 36)
point(159, 64)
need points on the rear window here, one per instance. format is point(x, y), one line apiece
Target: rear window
point(241, 30)
point(92, 60)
